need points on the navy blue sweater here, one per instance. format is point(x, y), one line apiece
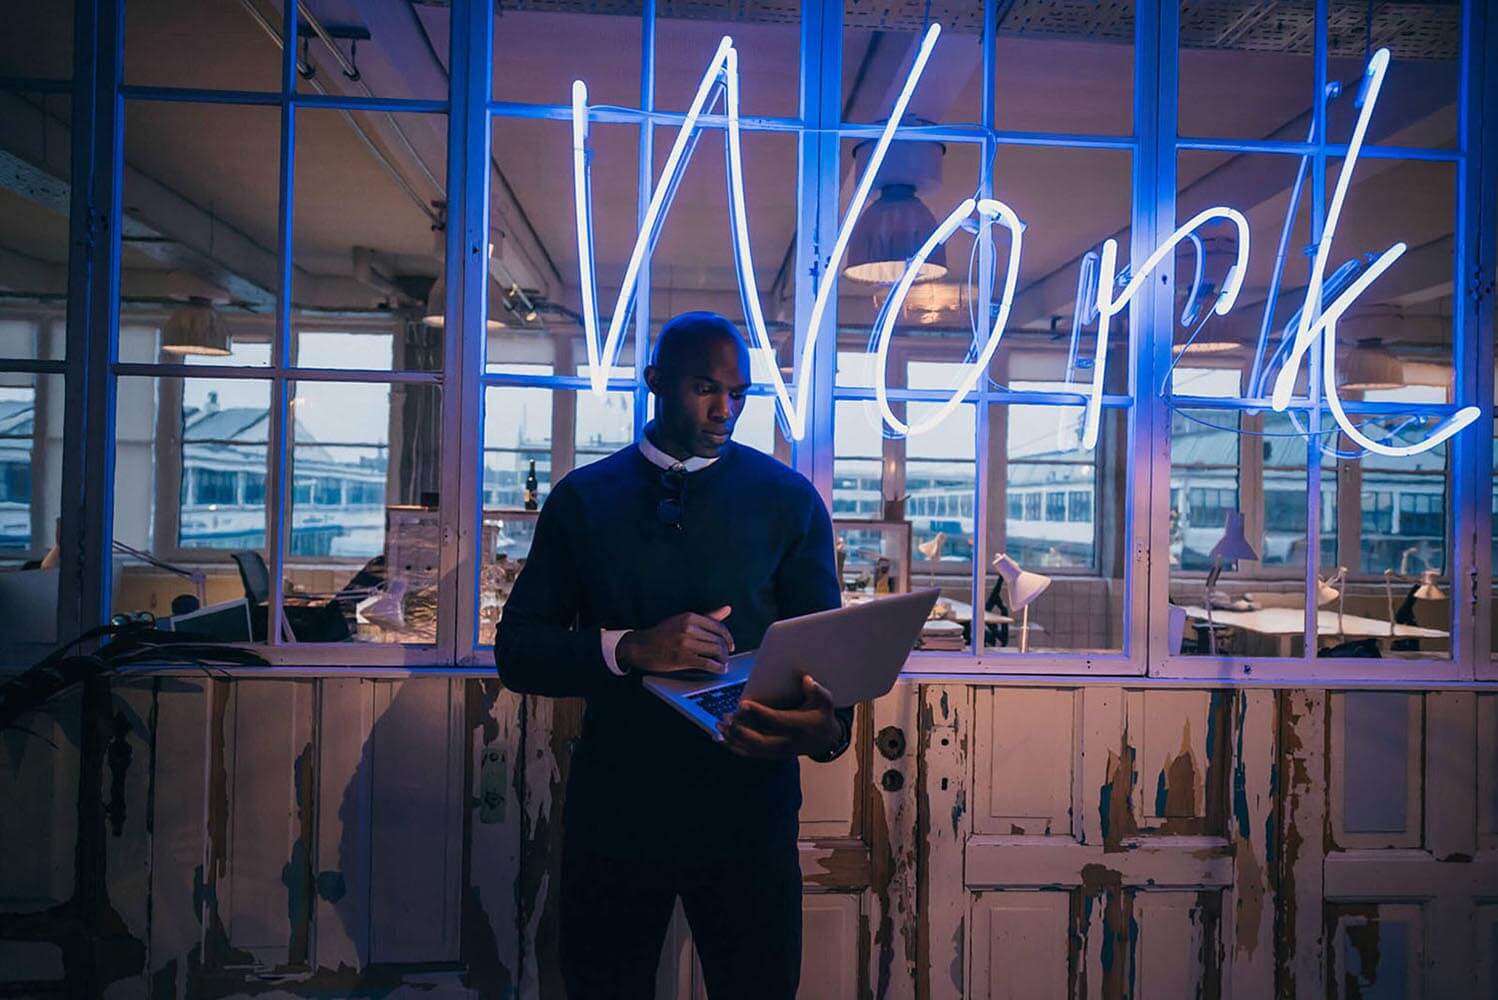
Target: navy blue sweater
point(755, 535)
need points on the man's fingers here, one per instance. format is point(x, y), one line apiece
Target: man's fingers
point(705, 645)
point(709, 635)
point(764, 719)
point(714, 626)
point(814, 695)
point(748, 743)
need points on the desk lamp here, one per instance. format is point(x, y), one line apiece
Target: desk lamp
point(1231, 547)
point(1024, 587)
point(1427, 589)
point(1332, 589)
point(931, 551)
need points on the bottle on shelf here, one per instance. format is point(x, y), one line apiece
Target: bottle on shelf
point(531, 486)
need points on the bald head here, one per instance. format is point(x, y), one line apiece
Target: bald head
point(699, 375)
point(687, 337)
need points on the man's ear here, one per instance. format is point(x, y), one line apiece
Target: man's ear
point(652, 379)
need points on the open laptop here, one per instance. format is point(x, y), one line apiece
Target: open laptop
point(855, 653)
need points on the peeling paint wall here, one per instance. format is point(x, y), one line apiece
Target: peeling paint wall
point(183, 836)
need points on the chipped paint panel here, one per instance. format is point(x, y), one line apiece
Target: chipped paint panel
point(1377, 950)
point(943, 825)
point(1183, 757)
point(1252, 829)
point(1300, 968)
point(891, 929)
point(1023, 750)
point(1175, 944)
point(491, 946)
point(1020, 945)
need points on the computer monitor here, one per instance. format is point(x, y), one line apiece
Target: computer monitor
point(225, 622)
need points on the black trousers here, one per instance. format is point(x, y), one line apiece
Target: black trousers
point(745, 915)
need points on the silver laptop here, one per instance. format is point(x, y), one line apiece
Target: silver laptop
point(855, 653)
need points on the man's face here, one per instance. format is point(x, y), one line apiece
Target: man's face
point(698, 398)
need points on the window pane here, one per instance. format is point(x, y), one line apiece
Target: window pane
point(1072, 200)
point(533, 294)
point(517, 435)
point(31, 416)
point(1056, 510)
point(694, 267)
point(207, 43)
point(362, 550)
point(1418, 104)
point(768, 40)
point(1209, 513)
point(940, 481)
point(1395, 344)
point(367, 245)
point(537, 54)
point(603, 426)
point(191, 466)
point(1066, 68)
point(879, 43)
point(1394, 548)
point(34, 224)
point(857, 488)
point(198, 267)
point(38, 39)
point(1219, 351)
point(1247, 72)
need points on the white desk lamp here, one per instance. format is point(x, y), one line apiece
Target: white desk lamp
point(1231, 547)
point(1333, 589)
point(1428, 589)
point(931, 551)
point(1024, 587)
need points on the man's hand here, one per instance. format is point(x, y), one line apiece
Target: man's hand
point(756, 730)
point(682, 642)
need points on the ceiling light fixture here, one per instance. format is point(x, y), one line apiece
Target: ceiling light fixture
point(196, 329)
point(893, 228)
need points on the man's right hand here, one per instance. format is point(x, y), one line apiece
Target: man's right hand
point(682, 642)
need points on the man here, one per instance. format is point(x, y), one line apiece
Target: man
point(666, 556)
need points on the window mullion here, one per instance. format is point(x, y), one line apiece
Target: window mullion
point(466, 264)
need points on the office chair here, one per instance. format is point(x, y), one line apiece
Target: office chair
point(314, 623)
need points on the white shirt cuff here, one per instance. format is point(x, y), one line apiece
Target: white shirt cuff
point(610, 641)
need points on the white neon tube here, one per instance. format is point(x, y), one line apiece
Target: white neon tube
point(993, 209)
point(724, 63)
point(602, 358)
point(1109, 305)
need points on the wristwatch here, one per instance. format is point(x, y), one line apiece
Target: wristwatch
point(837, 748)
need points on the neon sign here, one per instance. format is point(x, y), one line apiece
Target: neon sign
point(1098, 287)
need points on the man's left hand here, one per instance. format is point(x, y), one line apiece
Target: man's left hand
point(757, 730)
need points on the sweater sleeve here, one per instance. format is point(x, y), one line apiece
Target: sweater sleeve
point(537, 646)
point(806, 579)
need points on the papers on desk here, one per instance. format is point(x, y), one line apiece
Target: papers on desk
point(941, 634)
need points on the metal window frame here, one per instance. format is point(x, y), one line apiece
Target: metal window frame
point(92, 366)
point(1472, 343)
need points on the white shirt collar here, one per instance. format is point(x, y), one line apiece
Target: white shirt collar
point(665, 461)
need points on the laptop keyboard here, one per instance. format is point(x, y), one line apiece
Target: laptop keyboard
point(720, 701)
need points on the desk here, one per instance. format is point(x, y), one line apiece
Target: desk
point(963, 612)
point(1286, 623)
